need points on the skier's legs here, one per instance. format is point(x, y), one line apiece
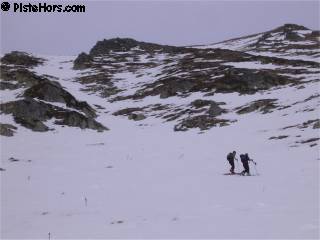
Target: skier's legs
point(232, 167)
point(248, 170)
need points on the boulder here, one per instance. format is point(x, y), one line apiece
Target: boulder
point(21, 58)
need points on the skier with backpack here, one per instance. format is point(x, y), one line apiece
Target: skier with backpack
point(245, 162)
point(231, 157)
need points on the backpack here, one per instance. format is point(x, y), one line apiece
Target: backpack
point(243, 158)
point(230, 157)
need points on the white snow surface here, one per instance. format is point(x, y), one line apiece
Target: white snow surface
point(251, 65)
point(143, 180)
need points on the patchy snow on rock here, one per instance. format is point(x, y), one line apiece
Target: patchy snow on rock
point(252, 65)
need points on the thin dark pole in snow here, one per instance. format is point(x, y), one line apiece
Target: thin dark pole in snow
point(255, 167)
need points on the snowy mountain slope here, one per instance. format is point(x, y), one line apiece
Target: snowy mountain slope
point(289, 41)
point(173, 115)
point(39, 98)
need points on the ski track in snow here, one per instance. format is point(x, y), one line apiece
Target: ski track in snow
point(151, 182)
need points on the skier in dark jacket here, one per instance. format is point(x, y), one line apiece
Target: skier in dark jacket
point(245, 162)
point(231, 157)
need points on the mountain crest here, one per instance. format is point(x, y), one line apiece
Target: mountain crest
point(289, 27)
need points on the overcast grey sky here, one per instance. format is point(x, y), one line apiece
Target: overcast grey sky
point(165, 22)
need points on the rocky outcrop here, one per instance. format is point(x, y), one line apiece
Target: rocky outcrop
point(32, 114)
point(21, 58)
point(262, 105)
point(13, 78)
point(214, 108)
point(126, 44)
point(289, 27)
point(203, 122)
point(127, 111)
point(82, 61)
point(130, 112)
point(53, 92)
point(316, 125)
point(278, 137)
point(7, 130)
point(137, 116)
point(7, 85)
point(75, 119)
point(107, 46)
point(249, 81)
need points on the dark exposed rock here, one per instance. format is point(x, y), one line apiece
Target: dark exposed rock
point(308, 99)
point(249, 82)
point(12, 159)
point(279, 137)
point(33, 124)
point(314, 123)
point(262, 105)
point(7, 130)
point(114, 44)
point(99, 83)
point(31, 114)
point(74, 119)
point(53, 92)
point(309, 140)
point(172, 86)
point(126, 111)
point(292, 36)
point(289, 27)
point(317, 124)
point(28, 109)
point(136, 117)
point(21, 58)
point(99, 107)
point(23, 77)
point(7, 85)
point(203, 122)
point(130, 112)
point(125, 44)
point(82, 61)
point(243, 81)
point(215, 110)
point(199, 103)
